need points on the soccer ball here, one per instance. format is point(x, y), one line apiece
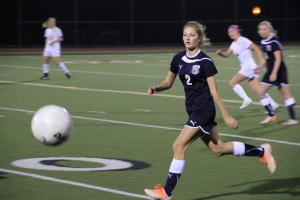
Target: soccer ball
point(51, 125)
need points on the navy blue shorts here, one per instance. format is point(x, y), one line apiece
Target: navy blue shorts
point(282, 78)
point(205, 121)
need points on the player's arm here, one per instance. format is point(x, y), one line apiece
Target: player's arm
point(259, 55)
point(277, 55)
point(60, 39)
point(230, 121)
point(224, 53)
point(164, 85)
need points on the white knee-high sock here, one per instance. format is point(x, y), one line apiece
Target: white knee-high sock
point(63, 67)
point(240, 92)
point(272, 102)
point(46, 68)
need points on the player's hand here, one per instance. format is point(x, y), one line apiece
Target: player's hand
point(151, 90)
point(218, 52)
point(273, 77)
point(257, 69)
point(52, 43)
point(231, 122)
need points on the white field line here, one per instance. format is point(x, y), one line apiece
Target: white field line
point(162, 127)
point(80, 62)
point(47, 178)
point(99, 112)
point(77, 61)
point(113, 74)
point(142, 110)
point(116, 91)
point(87, 72)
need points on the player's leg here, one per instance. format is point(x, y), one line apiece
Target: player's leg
point(238, 89)
point(289, 102)
point(183, 141)
point(265, 102)
point(215, 144)
point(254, 84)
point(62, 65)
point(46, 66)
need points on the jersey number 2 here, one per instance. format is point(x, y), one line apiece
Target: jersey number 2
point(188, 80)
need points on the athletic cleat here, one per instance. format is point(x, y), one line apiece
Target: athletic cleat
point(68, 75)
point(246, 103)
point(44, 78)
point(268, 158)
point(269, 119)
point(158, 193)
point(290, 122)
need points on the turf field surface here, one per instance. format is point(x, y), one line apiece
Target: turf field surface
point(114, 119)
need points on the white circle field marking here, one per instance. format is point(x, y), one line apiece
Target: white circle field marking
point(50, 164)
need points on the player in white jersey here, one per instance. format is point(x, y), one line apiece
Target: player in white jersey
point(242, 47)
point(53, 37)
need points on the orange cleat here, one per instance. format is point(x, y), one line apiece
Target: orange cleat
point(268, 158)
point(158, 193)
point(269, 119)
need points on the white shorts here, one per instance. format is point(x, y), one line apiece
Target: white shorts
point(247, 70)
point(51, 53)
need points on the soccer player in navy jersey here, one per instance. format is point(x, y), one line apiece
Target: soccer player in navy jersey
point(276, 74)
point(197, 73)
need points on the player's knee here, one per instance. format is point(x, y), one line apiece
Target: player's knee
point(218, 152)
point(232, 84)
point(178, 147)
point(254, 91)
point(260, 94)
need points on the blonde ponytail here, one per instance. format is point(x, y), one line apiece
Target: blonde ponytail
point(45, 24)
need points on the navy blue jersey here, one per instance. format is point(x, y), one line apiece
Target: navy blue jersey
point(269, 46)
point(193, 73)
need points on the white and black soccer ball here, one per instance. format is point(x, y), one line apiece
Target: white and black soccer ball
point(52, 125)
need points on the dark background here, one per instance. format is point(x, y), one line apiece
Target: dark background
point(141, 22)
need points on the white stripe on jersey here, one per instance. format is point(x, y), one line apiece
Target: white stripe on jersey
point(187, 60)
point(269, 42)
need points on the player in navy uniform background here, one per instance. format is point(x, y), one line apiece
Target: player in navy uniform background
point(276, 74)
point(242, 47)
point(197, 73)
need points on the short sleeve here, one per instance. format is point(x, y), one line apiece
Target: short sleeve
point(246, 42)
point(174, 64)
point(209, 68)
point(276, 46)
point(232, 46)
